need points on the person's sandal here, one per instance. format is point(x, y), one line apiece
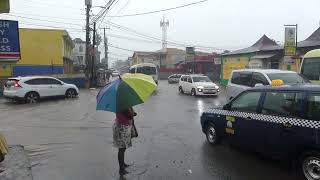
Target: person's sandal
point(123, 172)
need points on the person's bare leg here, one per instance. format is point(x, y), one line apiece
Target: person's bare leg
point(122, 165)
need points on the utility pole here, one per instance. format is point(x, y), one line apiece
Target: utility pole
point(88, 3)
point(105, 48)
point(94, 54)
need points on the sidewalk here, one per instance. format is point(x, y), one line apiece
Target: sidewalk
point(16, 165)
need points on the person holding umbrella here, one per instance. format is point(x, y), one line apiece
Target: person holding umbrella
point(123, 131)
point(119, 97)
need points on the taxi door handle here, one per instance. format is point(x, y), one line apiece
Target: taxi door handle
point(287, 125)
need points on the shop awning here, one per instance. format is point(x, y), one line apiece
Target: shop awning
point(263, 56)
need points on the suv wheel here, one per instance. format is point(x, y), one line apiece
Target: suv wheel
point(310, 165)
point(71, 93)
point(193, 92)
point(32, 97)
point(211, 134)
point(181, 90)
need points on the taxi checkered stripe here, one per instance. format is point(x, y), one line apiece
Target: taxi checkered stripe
point(269, 118)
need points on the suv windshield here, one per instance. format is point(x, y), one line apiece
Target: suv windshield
point(201, 79)
point(288, 78)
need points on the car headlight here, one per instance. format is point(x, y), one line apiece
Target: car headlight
point(200, 88)
point(217, 87)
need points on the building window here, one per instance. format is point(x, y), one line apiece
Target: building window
point(80, 48)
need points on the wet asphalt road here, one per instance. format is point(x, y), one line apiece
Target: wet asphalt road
point(69, 140)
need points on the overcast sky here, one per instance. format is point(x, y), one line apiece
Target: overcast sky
point(224, 24)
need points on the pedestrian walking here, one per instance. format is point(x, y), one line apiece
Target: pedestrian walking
point(123, 131)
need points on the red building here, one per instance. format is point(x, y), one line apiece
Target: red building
point(204, 63)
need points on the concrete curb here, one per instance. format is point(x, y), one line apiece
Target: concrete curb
point(16, 165)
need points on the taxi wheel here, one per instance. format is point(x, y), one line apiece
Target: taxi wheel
point(310, 165)
point(211, 134)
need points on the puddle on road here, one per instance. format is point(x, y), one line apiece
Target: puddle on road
point(40, 155)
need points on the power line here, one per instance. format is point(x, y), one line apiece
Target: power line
point(121, 9)
point(157, 11)
point(103, 11)
point(171, 42)
point(131, 38)
point(40, 25)
point(37, 15)
point(43, 20)
point(124, 49)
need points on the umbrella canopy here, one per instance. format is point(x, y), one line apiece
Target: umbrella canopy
point(125, 92)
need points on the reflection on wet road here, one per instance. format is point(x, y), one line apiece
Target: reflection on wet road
point(68, 139)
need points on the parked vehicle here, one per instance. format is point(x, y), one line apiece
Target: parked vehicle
point(146, 68)
point(282, 122)
point(115, 73)
point(32, 89)
point(310, 66)
point(243, 79)
point(174, 78)
point(197, 85)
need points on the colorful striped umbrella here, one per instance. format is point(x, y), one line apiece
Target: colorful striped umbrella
point(125, 92)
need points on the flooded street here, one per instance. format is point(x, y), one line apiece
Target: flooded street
point(69, 139)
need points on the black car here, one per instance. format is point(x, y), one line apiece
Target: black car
point(280, 121)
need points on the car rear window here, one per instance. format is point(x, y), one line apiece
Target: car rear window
point(10, 82)
point(288, 78)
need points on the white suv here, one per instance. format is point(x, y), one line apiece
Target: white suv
point(31, 89)
point(243, 79)
point(197, 85)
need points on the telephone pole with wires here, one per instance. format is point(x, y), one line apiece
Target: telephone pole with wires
point(105, 48)
point(93, 56)
point(90, 58)
point(88, 3)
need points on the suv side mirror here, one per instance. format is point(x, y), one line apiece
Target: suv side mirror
point(258, 85)
point(227, 107)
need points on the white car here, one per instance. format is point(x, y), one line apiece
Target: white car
point(32, 89)
point(197, 85)
point(243, 79)
point(115, 73)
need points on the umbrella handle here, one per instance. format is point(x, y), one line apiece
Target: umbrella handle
point(120, 77)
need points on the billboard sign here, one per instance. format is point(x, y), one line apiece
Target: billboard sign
point(4, 6)
point(290, 41)
point(190, 51)
point(9, 40)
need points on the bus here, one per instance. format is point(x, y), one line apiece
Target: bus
point(310, 66)
point(146, 68)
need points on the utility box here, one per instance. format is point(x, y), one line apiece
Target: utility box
point(4, 6)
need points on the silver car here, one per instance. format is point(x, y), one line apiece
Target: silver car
point(243, 79)
point(174, 78)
